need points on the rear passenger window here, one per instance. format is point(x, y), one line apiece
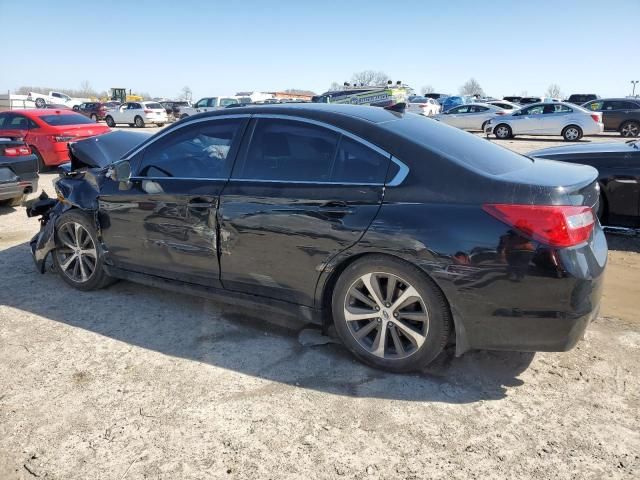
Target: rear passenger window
point(287, 150)
point(201, 151)
point(357, 163)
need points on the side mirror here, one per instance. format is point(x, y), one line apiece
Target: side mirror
point(120, 171)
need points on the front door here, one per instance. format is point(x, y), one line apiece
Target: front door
point(165, 223)
point(300, 193)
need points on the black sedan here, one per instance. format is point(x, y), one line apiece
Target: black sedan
point(618, 166)
point(404, 233)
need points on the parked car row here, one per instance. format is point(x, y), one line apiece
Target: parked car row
point(47, 132)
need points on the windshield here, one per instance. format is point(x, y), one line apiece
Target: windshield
point(224, 102)
point(66, 119)
point(153, 105)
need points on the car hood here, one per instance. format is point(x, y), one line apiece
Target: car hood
point(590, 149)
point(105, 149)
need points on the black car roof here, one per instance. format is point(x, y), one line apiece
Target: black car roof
point(317, 111)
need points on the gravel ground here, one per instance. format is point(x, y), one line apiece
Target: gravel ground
point(133, 382)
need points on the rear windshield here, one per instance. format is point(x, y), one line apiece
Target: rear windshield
point(154, 105)
point(66, 119)
point(459, 146)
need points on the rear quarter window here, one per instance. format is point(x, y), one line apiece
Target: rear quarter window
point(460, 147)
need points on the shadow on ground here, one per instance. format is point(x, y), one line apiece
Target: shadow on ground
point(245, 341)
point(623, 242)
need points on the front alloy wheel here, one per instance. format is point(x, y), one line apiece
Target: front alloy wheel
point(386, 315)
point(77, 257)
point(630, 129)
point(502, 132)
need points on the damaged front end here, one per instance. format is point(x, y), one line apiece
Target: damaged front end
point(78, 187)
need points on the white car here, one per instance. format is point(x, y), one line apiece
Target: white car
point(471, 116)
point(423, 106)
point(558, 118)
point(58, 98)
point(208, 104)
point(138, 114)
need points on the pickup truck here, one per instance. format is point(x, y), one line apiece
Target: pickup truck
point(207, 104)
point(60, 98)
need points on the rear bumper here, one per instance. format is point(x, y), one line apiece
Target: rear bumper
point(15, 189)
point(534, 301)
point(156, 119)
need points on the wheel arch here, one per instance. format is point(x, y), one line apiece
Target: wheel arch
point(327, 288)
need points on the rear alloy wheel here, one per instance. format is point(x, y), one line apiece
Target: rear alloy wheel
point(40, 103)
point(572, 133)
point(110, 122)
point(389, 315)
point(77, 257)
point(138, 122)
point(503, 131)
point(630, 129)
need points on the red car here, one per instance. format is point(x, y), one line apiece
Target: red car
point(48, 132)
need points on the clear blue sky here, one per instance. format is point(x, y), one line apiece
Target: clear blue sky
point(220, 47)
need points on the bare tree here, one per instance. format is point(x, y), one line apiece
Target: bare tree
point(553, 91)
point(186, 93)
point(336, 86)
point(86, 90)
point(369, 78)
point(427, 89)
point(524, 93)
point(472, 87)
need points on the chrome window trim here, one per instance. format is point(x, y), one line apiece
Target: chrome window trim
point(397, 180)
point(401, 175)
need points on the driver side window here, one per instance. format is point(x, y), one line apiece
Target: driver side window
point(195, 151)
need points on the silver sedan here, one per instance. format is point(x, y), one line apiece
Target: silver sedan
point(472, 116)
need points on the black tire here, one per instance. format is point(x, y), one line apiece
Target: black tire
point(13, 202)
point(40, 103)
point(94, 117)
point(42, 167)
point(602, 207)
point(160, 125)
point(630, 129)
point(437, 326)
point(110, 122)
point(483, 126)
point(503, 131)
point(572, 133)
point(138, 122)
point(98, 278)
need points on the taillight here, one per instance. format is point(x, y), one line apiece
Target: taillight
point(554, 225)
point(17, 151)
point(148, 111)
point(62, 138)
point(596, 117)
point(500, 113)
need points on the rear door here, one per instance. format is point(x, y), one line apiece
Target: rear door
point(165, 223)
point(300, 193)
